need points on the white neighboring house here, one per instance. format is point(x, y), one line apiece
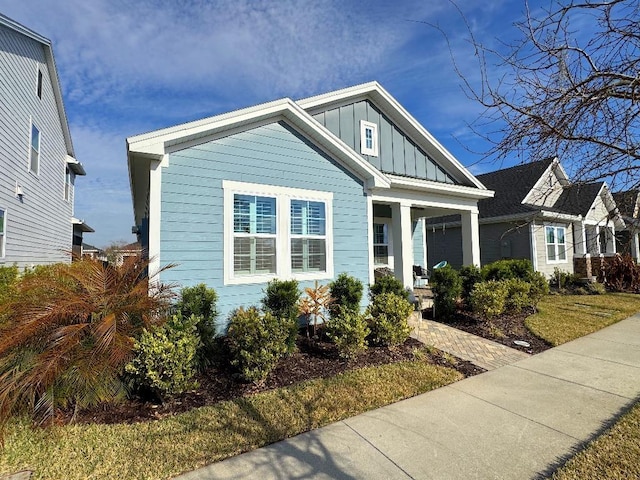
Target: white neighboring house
point(37, 162)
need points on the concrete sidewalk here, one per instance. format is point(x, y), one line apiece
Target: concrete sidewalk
point(515, 422)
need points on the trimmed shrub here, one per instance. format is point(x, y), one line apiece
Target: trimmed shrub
point(281, 300)
point(564, 280)
point(256, 342)
point(504, 269)
point(348, 330)
point(539, 288)
point(595, 288)
point(469, 275)
point(518, 295)
point(489, 298)
point(388, 284)
point(201, 302)
point(346, 293)
point(389, 314)
point(165, 357)
point(447, 287)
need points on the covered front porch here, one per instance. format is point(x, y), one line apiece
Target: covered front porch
point(397, 237)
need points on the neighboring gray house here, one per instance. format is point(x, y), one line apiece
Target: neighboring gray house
point(629, 206)
point(341, 182)
point(537, 214)
point(37, 163)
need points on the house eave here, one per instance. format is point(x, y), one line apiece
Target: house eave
point(75, 166)
point(409, 183)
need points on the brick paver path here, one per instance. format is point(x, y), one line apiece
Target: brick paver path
point(480, 351)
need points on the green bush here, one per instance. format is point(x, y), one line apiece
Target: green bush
point(469, 275)
point(596, 288)
point(389, 314)
point(348, 330)
point(256, 342)
point(518, 295)
point(8, 281)
point(388, 284)
point(504, 269)
point(539, 288)
point(281, 300)
point(201, 302)
point(447, 287)
point(489, 298)
point(165, 357)
point(565, 280)
point(346, 293)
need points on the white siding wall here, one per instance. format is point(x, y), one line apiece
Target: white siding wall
point(547, 191)
point(38, 226)
point(544, 266)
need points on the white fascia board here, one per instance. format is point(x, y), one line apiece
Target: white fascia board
point(53, 74)
point(401, 117)
point(75, 166)
point(83, 226)
point(156, 143)
point(610, 203)
point(444, 188)
point(548, 215)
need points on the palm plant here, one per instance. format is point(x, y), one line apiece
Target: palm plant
point(69, 333)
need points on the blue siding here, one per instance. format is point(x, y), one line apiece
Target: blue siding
point(397, 153)
point(192, 205)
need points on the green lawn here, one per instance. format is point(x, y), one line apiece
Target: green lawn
point(164, 448)
point(562, 318)
point(615, 455)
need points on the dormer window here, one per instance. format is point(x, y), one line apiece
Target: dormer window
point(368, 138)
point(39, 87)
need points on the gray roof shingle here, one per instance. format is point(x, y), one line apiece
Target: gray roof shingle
point(577, 199)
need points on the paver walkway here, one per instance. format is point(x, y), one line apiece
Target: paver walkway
point(477, 350)
point(515, 422)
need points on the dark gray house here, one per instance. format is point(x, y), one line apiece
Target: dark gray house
point(537, 214)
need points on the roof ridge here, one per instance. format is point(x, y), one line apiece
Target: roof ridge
point(520, 165)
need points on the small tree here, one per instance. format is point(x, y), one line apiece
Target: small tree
point(388, 284)
point(447, 288)
point(346, 292)
point(314, 306)
point(201, 302)
point(281, 300)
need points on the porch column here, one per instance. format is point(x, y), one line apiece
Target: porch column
point(635, 245)
point(470, 238)
point(580, 238)
point(402, 244)
point(611, 240)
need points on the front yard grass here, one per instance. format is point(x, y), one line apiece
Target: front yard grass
point(562, 318)
point(167, 447)
point(612, 456)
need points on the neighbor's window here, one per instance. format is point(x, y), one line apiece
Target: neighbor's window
point(368, 138)
point(380, 244)
point(67, 184)
point(34, 155)
point(39, 87)
point(3, 222)
point(254, 234)
point(308, 236)
point(556, 246)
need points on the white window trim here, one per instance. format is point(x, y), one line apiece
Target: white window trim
point(3, 239)
point(556, 244)
point(31, 126)
point(373, 151)
point(283, 196)
point(388, 223)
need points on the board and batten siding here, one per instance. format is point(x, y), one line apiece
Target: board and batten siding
point(39, 229)
point(397, 153)
point(503, 241)
point(544, 266)
point(419, 242)
point(444, 244)
point(192, 206)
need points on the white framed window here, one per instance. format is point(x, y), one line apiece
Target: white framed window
point(34, 150)
point(368, 138)
point(39, 84)
point(3, 230)
point(67, 183)
point(556, 244)
point(274, 232)
point(381, 244)
point(308, 236)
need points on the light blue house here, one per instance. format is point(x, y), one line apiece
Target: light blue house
point(306, 189)
point(37, 161)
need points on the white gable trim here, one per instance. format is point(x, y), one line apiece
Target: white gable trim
point(409, 183)
point(402, 118)
point(554, 166)
point(162, 141)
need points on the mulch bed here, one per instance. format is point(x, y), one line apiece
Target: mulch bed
point(503, 329)
point(318, 359)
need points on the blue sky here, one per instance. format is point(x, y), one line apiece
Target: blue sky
point(127, 67)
